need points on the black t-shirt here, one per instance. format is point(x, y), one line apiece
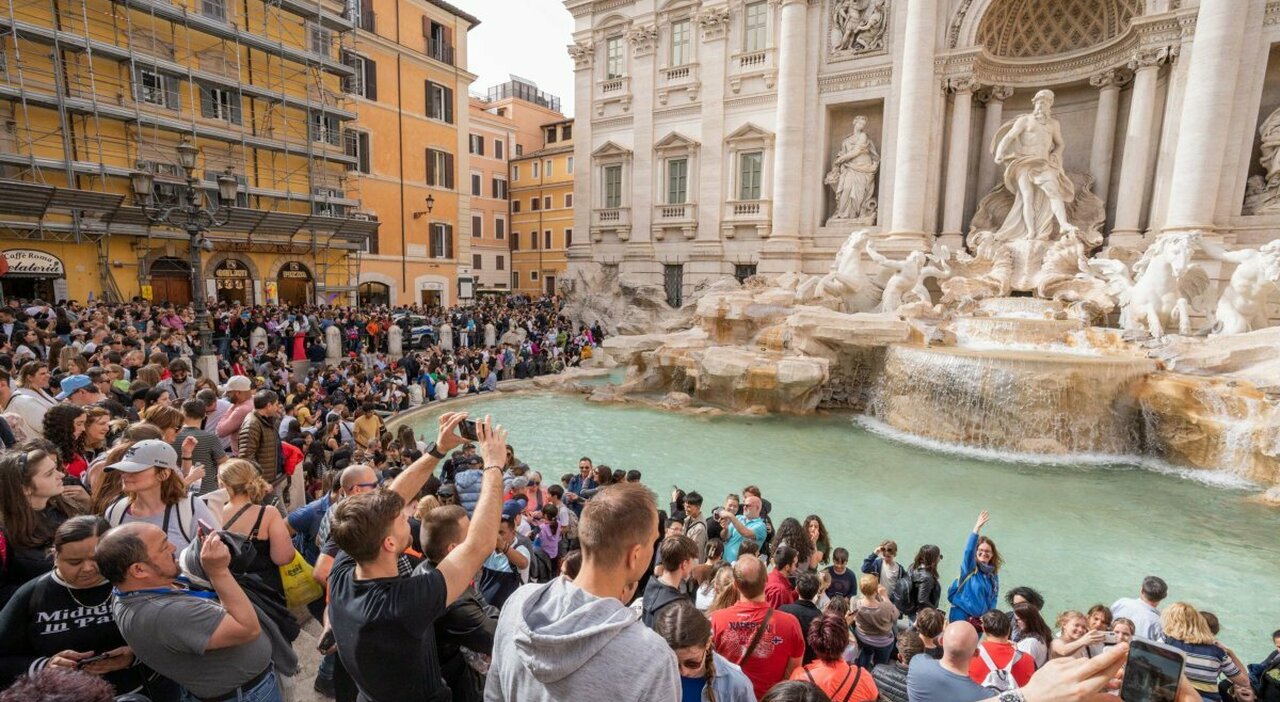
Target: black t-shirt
point(385, 633)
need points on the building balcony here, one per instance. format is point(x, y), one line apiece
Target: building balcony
point(753, 66)
point(615, 219)
point(613, 90)
point(441, 51)
point(683, 217)
point(747, 213)
point(678, 78)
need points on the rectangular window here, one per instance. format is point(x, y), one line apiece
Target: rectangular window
point(677, 181)
point(566, 133)
point(546, 244)
point(533, 275)
point(534, 166)
point(750, 165)
point(319, 39)
point(742, 271)
point(439, 102)
point(515, 207)
point(535, 204)
point(680, 42)
point(568, 238)
point(515, 172)
point(155, 88)
point(439, 41)
point(515, 279)
point(533, 240)
point(500, 262)
point(477, 144)
point(549, 134)
point(441, 240)
point(515, 241)
point(477, 226)
point(220, 103)
point(569, 165)
point(546, 169)
point(475, 184)
point(475, 262)
point(613, 47)
point(546, 202)
point(498, 147)
point(439, 168)
point(326, 128)
point(519, 150)
point(755, 29)
point(568, 199)
point(499, 228)
point(499, 187)
point(357, 147)
point(612, 187)
point(217, 9)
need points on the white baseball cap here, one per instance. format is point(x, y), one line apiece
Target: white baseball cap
point(149, 453)
point(237, 383)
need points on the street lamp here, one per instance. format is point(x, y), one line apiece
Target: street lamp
point(196, 214)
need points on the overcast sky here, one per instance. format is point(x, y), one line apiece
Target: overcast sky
point(524, 37)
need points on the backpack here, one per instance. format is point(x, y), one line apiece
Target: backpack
point(186, 515)
point(999, 679)
point(541, 569)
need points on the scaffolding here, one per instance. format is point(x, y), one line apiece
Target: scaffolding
point(90, 89)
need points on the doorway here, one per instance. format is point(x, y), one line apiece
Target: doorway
point(171, 281)
point(373, 295)
point(550, 282)
point(295, 284)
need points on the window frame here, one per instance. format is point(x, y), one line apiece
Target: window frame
point(614, 57)
point(759, 31)
point(680, 51)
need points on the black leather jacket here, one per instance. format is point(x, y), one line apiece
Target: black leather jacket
point(469, 621)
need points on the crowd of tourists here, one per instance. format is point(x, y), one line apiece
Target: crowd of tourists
point(167, 537)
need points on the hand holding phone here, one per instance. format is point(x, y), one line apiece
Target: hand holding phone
point(1152, 672)
point(94, 659)
point(467, 430)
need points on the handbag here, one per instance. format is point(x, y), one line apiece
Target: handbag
point(300, 587)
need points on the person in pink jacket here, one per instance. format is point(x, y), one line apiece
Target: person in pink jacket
point(239, 390)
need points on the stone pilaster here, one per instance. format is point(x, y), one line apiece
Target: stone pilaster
point(957, 160)
point(1138, 138)
point(781, 253)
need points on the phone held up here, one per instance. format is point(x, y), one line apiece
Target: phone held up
point(467, 430)
point(1152, 672)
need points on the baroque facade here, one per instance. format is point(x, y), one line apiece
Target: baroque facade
point(727, 137)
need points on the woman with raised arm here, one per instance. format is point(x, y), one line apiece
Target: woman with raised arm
point(977, 590)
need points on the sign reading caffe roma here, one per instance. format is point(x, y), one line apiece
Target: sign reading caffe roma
point(32, 262)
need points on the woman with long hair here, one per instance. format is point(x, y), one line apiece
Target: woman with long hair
point(726, 592)
point(32, 506)
point(1036, 634)
point(245, 514)
point(32, 399)
point(154, 493)
point(977, 590)
point(819, 537)
point(1186, 630)
point(97, 427)
point(926, 588)
point(704, 674)
point(73, 584)
point(64, 428)
point(828, 636)
point(792, 534)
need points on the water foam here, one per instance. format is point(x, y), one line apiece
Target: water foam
point(1212, 478)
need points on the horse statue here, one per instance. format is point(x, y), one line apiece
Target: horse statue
point(1165, 286)
point(846, 281)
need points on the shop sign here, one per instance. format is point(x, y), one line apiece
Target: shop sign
point(231, 268)
point(295, 270)
point(32, 262)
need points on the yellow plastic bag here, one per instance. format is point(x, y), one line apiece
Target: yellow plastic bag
point(300, 587)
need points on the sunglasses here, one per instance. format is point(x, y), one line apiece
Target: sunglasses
point(366, 485)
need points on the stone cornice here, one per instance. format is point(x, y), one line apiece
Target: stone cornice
point(851, 80)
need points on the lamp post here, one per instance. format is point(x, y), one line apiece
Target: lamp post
point(194, 213)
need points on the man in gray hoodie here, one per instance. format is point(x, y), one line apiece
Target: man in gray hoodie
point(575, 640)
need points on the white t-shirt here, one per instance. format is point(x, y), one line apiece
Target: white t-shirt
point(1035, 648)
point(1145, 618)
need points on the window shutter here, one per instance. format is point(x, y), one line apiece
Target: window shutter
point(434, 243)
point(171, 98)
point(206, 102)
point(426, 26)
point(370, 79)
point(448, 105)
point(448, 240)
point(431, 169)
point(448, 171)
point(365, 20)
point(235, 108)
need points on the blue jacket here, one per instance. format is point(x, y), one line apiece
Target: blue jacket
point(468, 484)
point(873, 564)
point(730, 683)
point(576, 485)
point(977, 590)
point(305, 522)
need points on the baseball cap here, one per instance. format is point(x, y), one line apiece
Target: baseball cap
point(146, 454)
point(72, 383)
point(446, 490)
point(512, 509)
point(238, 383)
point(520, 483)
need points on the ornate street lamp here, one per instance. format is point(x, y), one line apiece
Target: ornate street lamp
point(197, 215)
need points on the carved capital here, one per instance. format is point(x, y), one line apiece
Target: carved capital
point(1148, 58)
point(714, 22)
point(994, 93)
point(962, 84)
point(643, 39)
point(583, 53)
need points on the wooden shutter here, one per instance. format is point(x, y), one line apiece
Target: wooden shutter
point(235, 107)
point(431, 169)
point(431, 239)
point(426, 26)
point(370, 79)
point(365, 21)
point(448, 171)
point(206, 102)
point(448, 240)
point(171, 97)
point(448, 105)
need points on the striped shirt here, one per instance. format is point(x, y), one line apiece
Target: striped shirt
point(208, 452)
point(1204, 663)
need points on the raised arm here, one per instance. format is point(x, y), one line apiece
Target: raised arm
point(1219, 253)
point(240, 624)
point(880, 259)
point(408, 483)
point(460, 566)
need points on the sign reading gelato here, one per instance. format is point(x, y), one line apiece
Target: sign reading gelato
point(29, 262)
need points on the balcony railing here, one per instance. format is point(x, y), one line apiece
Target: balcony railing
point(440, 51)
point(668, 214)
point(611, 217)
point(748, 211)
point(617, 85)
point(752, 61)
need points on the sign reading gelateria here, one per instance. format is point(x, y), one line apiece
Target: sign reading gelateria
point(29, 262)
point(231, 268)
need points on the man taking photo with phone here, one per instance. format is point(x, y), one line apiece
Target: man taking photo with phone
point(381, 620)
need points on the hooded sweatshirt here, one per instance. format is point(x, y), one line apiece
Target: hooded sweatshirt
point(556, 641)
point(657, 595)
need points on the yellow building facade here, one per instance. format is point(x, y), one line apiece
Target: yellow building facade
point(542, 210)
point(490, 147)
point(411, 143)
point(92, 91)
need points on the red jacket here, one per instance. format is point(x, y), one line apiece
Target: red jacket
point(778, 590)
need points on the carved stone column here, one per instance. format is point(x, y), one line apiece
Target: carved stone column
point(957, 160)
point(782, 252)
point(993, 117)
point(1104, 130)
point(1138, 137)
point(1201, 144)
point(915, 116)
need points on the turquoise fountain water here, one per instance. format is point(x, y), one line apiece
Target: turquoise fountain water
point(1081, 534)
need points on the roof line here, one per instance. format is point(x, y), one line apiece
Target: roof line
point(470, 18)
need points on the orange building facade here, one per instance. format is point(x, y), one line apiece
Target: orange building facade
point(490, 147)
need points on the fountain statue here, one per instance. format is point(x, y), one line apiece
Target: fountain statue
point(847, 282)
point(1165, 286)
point(1242, 306)
point(907, 284)
point(853, 177)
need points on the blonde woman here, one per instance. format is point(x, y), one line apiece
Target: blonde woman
point(245, 514)
point(1074, 637)
point(1187, 631)
point(874, 616)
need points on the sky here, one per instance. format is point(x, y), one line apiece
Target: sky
point(524, 37)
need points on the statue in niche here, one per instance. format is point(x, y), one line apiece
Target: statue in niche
point(1267, 199)
point(1031, 152)
point(859, 24)
point(853, 177)
point(1242, 305)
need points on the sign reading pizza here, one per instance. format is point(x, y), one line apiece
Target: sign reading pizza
point(34, 263)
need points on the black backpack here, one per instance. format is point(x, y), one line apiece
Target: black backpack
point(541, 568)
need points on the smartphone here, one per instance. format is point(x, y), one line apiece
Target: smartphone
point(92, 659)
point(1111, 638)
point(205, 528)
point(1152, 672)
point(326, 642)
point(467, 430)
point(71, 481)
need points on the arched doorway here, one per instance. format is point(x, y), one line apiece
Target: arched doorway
point(373, 295)
point(295, 284)
point(233, 283)
point(171, 281)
